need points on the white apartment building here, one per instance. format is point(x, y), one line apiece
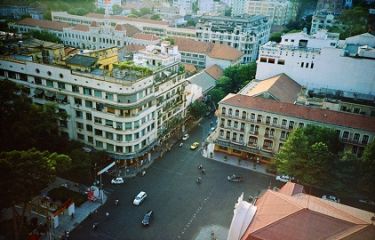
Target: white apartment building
point(322, 20)
point(205, 6)
point(280, 12)
point(185, 6)
point(321, 61)
point(92, 36)
point(243, 33)
point(238, 7)
point(255, 128)
point(124, 112)
point(154, 56)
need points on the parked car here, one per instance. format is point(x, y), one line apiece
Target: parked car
point(331, 198)
point(139, 198)
point(283, 178)
point(118, 180)
point(185, 137)
point(194, 145)
point(147, 218)
point(367, 201)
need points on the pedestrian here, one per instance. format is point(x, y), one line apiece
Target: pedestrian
point(116, 202)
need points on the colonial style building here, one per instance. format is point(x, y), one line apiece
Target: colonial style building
point(322, 61)
point(256, 128)
point(119, 107)
point(94, 36)
point(243, 33)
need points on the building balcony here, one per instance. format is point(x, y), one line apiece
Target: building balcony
point(255, 133)
point(243, 147)
point(269, 136)
point(353, 141)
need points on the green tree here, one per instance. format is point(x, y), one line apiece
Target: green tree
point(228, 12)
point(25, 125)
point(367, 171)
point(216, 94)
point(239, 76)
point(276, 37)
point(116, 9)
point(155, 17)
point(23, 175)
point(45, 36)
point(100, 10)
point(309, 155)
point(354, 21)
point(144, 11)
point(198, 109)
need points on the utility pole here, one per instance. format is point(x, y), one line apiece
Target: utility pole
point(100, 180)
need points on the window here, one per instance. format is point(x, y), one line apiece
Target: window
point(80, 136)
point(78, 101)
point(88, 128)
point(281, 61)
point(119, 137)
point(229, 123)
point(302, 63)
point(99, 144)
point(274, 121)
point(312, 65)
point(263, 59)
point(87, 91)
point(291, 124)
point(301, 125)
point(307, 65)
point(365, 139)
point(78, 114)
point(252, 117)
point(49, 83)
point(109, 123)
point(128, 137)
point(75, 89)
point(49, 73)
point(109, 135)
point(271, 60)
point(38, 81)
point(243, 115)
point(98, 132)
point(98, 120)
point(90, 139)
point(119, 125)
point(109, 96)
point(283, 135)
point(61, 85)
point(283, 123)
point(345, 135)
point(237, 113)
point(230, 112)
point(119, 149)
point(268, 120)
point(88, 104)
point(88, 116)
point(98, 93)
point(61, 75)
point(79, 125)
point(223, 110)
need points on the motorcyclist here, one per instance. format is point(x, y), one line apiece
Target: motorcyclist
point(116, 202)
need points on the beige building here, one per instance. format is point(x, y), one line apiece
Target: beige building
point(255, 128)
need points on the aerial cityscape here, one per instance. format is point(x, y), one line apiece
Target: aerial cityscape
point(187, 119)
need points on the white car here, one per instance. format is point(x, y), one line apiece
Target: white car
point(139, 198)
point(283, 178)
point(185, 137)
point(331, 198)
point(118, 180)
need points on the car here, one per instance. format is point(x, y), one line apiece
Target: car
point(283, 178)
point(185, 137)
point(147, 218)
point(118, 180)
point(139, 198)
point(367, 201)
point(194, 145)
point(331, 198)
point(87, 149)
point(212, 129)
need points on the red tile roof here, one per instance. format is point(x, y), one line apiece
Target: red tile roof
point(218, 51)
point(303, 112)
point(129, 29)
point(145, 36)
point(102, 16)
point(215, 71)
point(223, 51)
point(82, 28)
point(281, 215)
point(43, 24)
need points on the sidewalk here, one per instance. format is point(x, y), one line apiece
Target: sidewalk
point(209, 153)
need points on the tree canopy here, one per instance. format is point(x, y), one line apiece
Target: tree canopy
point(23, 175)
point(308, 155)
point(45, 36)
point(198, 109)
point(116, 9)
point(26, 125)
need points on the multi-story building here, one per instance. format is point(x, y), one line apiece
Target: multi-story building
point(123, 108)
point(204, 54)
point(18, 12)
point(158, 28)
point(255, 128)
point(280, 12)
point(238, 7)
point(185, 6)
point(321, 61)
point(243, 33)
point(92, 36)
point(323, 20)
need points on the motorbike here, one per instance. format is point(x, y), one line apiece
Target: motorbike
point(181, 144)
point(198, 181)
point(203, 171)
point(235, 178)
point(95, 226)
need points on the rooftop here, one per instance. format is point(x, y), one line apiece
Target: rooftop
point(145, 36)
point(215, 71)
point(219, 51)
point(281, 87)
point(141, 20)
point(81, 60)
point(292, 214)
point(58, 26)
point(302, 112)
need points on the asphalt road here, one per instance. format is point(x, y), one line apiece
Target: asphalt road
point(181, 206)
